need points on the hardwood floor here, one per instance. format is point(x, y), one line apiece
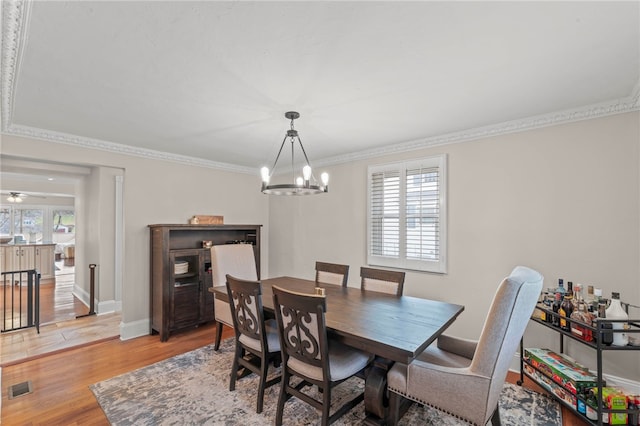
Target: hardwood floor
point(70, 354)
point(61, 380)
point(60, 329)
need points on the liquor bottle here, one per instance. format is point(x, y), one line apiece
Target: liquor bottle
point(581, 317)
point(615, 311)
point(560, 288)
point(571, 294)
point(555, 320)
point(607, 336)
point(592, 406)
point(577, 294)
point(565, 311)
point(589, 298)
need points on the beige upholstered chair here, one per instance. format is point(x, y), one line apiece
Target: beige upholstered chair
point(332, 273)
point(257, 341)
point(465, 377)
point(237, 260)
point(307, 354)
point(382, 281)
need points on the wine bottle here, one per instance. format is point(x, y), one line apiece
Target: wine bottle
point(555, 320)
point(565, 311)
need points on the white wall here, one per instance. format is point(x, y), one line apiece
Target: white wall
point(563, 200)
point(154, 192)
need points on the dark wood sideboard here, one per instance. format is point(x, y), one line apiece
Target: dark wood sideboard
point(181, 298)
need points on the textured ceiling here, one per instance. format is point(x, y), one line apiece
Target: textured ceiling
point(211, 81)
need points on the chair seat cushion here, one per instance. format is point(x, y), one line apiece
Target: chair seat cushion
point(273, 340)
point(344, 362)
point(432, 357)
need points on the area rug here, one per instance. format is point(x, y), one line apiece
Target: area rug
point(193, 389)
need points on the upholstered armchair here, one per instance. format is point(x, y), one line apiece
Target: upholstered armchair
point(237, 260)
point(463, 377)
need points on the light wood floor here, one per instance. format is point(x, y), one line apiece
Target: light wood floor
point(60, 329)
point(69, 355)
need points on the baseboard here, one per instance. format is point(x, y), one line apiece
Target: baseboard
point(108, 306)
point(630, 386)
point(134, 329)
point(104, 307)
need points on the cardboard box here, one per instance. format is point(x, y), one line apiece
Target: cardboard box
point(614, 399)
point(551, 386)
point(570, 375)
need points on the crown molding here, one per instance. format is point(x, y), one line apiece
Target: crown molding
point(64, 138)
point(603, 109)
point(15, 18)
point(15, 14)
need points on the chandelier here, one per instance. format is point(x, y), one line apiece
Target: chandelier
point(304, 184)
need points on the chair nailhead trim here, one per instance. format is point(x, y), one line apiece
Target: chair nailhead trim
point(399, 392)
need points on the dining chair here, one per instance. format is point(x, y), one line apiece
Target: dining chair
point(309, 355)
point(237, 260)
point(382, 281)
point(465, 377)
point(332, 273)
point(257, 341)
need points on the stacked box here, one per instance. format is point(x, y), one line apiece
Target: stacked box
point(552, 387)
point(614, 399)
point(572, 376)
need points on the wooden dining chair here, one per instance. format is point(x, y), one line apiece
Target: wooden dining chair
point(332, 273)
point(237, 260)
point(257, 341)
point(382, 281)
point(464, 377)
point(309, 355)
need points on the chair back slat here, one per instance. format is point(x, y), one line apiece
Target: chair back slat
point(246, 307)
point(332, 273)
point(301, 326)
point(382, 281)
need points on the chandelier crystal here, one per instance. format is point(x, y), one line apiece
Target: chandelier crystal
point(304, 184)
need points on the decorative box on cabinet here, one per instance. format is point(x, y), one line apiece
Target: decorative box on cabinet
point(598, 330)
point(183, 300)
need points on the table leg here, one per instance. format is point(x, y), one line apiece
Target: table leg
point(376, 404)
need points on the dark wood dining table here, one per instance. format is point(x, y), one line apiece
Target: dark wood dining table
point(395, 329)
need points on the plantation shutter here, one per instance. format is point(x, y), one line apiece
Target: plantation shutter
point(407, 215)
point(385, 214)
point(423, 214)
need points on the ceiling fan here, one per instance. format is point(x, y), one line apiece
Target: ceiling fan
point(16, 197)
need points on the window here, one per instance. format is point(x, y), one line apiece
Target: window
point(38, 223)
point(407, 215)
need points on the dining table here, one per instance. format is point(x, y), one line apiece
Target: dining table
point(393, 328)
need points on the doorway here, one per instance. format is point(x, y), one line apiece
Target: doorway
point(51, 221)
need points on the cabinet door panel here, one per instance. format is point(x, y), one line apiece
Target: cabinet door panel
point(186, 302)
point(44, 261)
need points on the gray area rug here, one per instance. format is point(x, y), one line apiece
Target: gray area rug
point(193, 389)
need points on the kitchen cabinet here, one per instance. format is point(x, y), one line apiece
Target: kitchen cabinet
point(22, 257)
